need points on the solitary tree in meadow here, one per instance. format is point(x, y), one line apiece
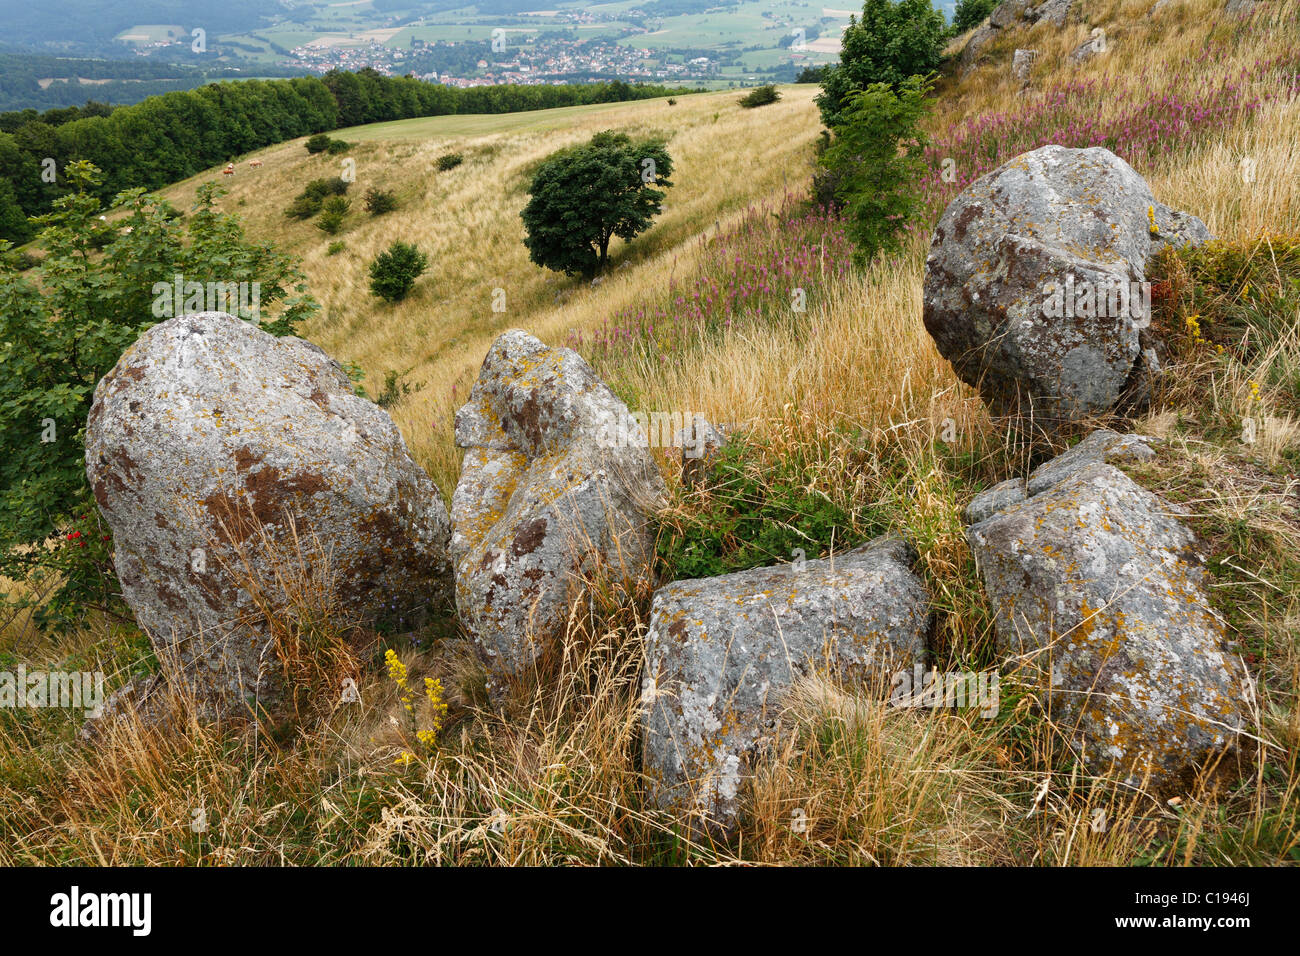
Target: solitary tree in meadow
point(585, 195)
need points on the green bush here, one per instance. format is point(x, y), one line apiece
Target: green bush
point(449, 161)
point(309, 202)
point(335, 247)
point(760, 96)
point(395, 270)
point(757, 513)
point(395, 389)
point(380, 201)
point(337, 146)
point(318, 143)
point(876, 163)
point(333, 209)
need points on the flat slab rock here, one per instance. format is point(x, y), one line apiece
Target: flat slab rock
point(1099, 592)
point(551, 490)
point(210, 443)
point(721, 652)
point(1050, 219)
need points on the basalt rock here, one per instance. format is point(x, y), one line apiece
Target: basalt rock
point(1035, 285)
point(721, 652)
point(227, 462)
point(557, 486)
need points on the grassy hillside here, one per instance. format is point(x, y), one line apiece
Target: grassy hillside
point(467, 221)
point(842, 407)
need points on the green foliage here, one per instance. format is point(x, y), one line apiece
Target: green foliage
point(877, 161)
point(333, 209)
point(379, 201)
point(971, 13)
point(395, 388)
point(583, 196)
point(449, 161)
point(338, 147)
point(62, 329)
point(395, 270)
point(318, 143)
point(310, 201)
point(893, 40)
point(335, 247)
point(756, 514)
point(760, 96)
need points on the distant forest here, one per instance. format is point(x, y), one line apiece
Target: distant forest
point(163, 139)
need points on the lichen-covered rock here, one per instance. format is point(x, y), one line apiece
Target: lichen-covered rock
point(1102, 445)
point(721, 652)
point(212, 448)
point(1022, 61)
point(1034, 283)
point(557, 484)
point(1009, 15)
point(1099, 593)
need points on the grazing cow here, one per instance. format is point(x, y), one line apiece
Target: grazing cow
point(229, 170)
point(255, 163)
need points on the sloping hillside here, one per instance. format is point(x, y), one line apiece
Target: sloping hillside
point(467, 221)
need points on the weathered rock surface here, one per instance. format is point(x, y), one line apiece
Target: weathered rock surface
point(1100, 594)
point(1090, 47)
point(1022, 61)
point(210, 444)
point(1007, 273)
point(1103, 445)
point(1009, 15)
point(721, 652)
point(557, 482)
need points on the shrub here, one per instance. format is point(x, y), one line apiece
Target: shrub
point(318, 143)
point(335, 247)
point(760, 96)
point(337, 146)
point(395, 389)
point(332, 212)
point(308, 202)
point(878, 161)
point(395, 270)
point(380, 201)
point(672, 101)
point(449, 161)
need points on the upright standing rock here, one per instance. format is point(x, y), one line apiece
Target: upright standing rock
point(1035, 283)
point(557, 484)
point(209, 446)
point(721, 652)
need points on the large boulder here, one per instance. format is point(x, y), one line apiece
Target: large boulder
point(557, 486)
point(221, 457)
point(1100, 600)
point(1035, 284)
point(721, 652)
